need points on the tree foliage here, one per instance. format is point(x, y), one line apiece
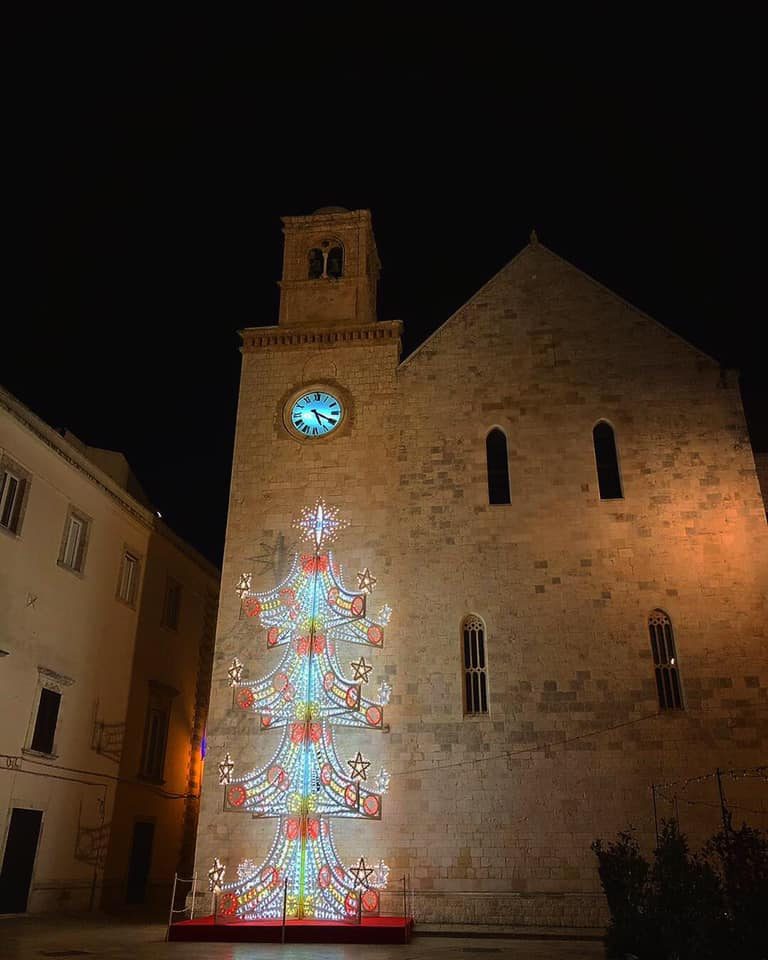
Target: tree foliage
point(681, 905)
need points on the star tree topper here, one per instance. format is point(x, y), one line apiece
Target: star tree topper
point(320, 524)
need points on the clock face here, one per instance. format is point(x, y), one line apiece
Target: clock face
point(316, 414)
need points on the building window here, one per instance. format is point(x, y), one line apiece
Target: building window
point(172, 604)
point(156, 731)
point(607, 462)
point(665, 661)
point(475, 679)
point(45, 722)
point(316, 263)
point(128, 585)
point(335, 263)
point(41, 736)
point(74, 542)
point(498, 466)
point(14, 483)
point(327, 260)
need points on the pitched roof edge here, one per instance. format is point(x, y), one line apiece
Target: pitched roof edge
point(464, 305)
point(582, 273)
point(70, 453)
point(630, 306)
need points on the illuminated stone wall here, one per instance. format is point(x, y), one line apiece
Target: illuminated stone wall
point(563, 581)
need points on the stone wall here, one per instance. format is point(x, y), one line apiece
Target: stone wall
point(491, 817)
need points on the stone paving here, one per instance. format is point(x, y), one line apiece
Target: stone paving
point(25, 938)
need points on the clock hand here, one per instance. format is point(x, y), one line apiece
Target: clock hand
point(325, 417)
point(317, 416)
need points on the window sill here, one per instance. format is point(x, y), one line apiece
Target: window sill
point(73, 570)
point(29, 752)
point(476, 717)
point(13, 534)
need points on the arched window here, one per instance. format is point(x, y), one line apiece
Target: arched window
point(335, 267)
point(607, 462)
point(498, 467)
point(316, 263)
point(326, 260)
point(665, 661)
point(475, 680)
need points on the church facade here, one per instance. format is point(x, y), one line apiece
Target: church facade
point(557, 499)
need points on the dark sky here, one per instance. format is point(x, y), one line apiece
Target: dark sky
point(152, 176)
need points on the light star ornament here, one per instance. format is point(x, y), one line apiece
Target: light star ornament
point(359, 766)
point(246, 869)
point(225, 769)
point(235, 672)
point(366, 581)
point(320, 524)
point(362, 669)
point(380, 877)
point(216, 875)
point(382, 780)
point(243, 585)
point(361, 873)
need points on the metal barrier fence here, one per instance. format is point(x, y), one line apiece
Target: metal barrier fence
point(173, 908)
point(396, 900)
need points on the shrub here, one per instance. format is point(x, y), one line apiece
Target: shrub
point(685, 906)
point(741, 860)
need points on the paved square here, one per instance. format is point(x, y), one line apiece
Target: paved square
point(25, 938)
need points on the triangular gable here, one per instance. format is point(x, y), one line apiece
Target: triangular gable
point(537, 247)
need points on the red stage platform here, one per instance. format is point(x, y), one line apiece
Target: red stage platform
point(369, 930)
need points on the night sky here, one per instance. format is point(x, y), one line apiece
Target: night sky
point(151, 177)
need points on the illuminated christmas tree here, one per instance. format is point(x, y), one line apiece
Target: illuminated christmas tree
point(305, 786)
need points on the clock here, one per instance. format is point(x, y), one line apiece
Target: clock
point(315, 414)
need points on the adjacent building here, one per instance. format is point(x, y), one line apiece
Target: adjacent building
point(106, 633)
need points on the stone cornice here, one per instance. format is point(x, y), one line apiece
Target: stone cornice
point(381, 332)
point(314, 221)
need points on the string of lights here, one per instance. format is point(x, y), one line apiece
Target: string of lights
point(756, 773)
point(522, 751)
point(552, 744)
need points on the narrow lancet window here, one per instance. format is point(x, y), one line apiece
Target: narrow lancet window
point(475, 675)
point(607, 462)
point(665, 661)
point(498, 467)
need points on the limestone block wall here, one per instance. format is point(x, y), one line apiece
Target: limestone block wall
point(490, 818)
point(274, 476)
point(565, 583)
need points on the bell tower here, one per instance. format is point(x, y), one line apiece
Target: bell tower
point(330, 269)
